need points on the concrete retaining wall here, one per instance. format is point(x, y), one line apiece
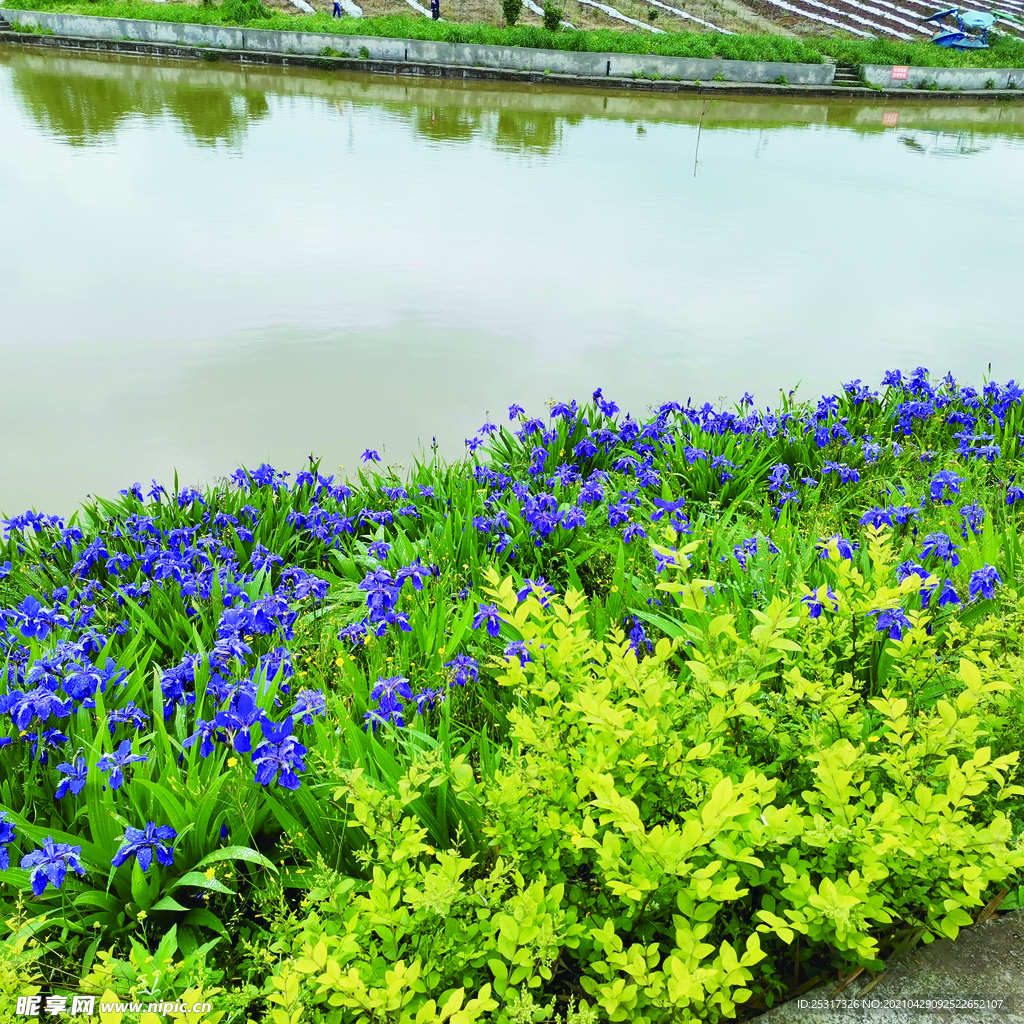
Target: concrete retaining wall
point(623, 65)
point(944, 78)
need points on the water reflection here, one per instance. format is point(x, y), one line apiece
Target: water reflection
point(85, 98)
point(86, 101)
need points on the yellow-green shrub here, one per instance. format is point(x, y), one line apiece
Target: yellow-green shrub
point(662, 830)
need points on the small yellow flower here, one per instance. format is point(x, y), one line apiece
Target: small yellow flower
point(140, 916)
point(210, 872)
point(232, 761)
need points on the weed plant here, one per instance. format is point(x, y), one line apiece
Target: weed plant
point(647, 719)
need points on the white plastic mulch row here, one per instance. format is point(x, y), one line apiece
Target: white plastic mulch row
point(819, 18)
point(418, 7)
point(351, 9)
point(887, 16)
point(619, 16)
point(303, 6)
point(884, 29)
point(902, 10)
point(689, 17)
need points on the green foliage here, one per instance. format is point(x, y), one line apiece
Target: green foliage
point(511, 10)
point(552, 15)
point(1005, 51)
point(241, 12)
point(662, 831)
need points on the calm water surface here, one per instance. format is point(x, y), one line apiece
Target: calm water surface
point(202, 268)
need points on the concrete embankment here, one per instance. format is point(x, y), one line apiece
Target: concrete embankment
point(419, 57)
point(888, 77)
point(423, 51)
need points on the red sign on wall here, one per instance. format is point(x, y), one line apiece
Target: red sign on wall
point(899, 73)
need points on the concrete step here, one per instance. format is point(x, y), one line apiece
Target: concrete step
point(846, 74)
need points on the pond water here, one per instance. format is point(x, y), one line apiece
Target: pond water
point(205, 266)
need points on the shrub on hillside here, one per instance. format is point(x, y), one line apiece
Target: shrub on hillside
point(512, 11)
point(241, 12)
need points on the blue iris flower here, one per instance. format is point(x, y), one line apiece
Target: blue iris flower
point(76, 777)
point(489, 615)
point(51, 864)
point(464, 669)
point(939, 545)
point(206, 731)
point(943, 482)
point(844, 546)
point(540, 588)
point(632, 531)
point(39, 703)
point(427, 698)
point(33, 619)
point(239, 718)
point(894, 620)
point(7, 836)
point(142, 843)
point(518, 649)
point(307, 704)
point(816, 605)
point(983, 582)
point(974, 517)
point(280, 752)
point(128, 715)
point(117, 761)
